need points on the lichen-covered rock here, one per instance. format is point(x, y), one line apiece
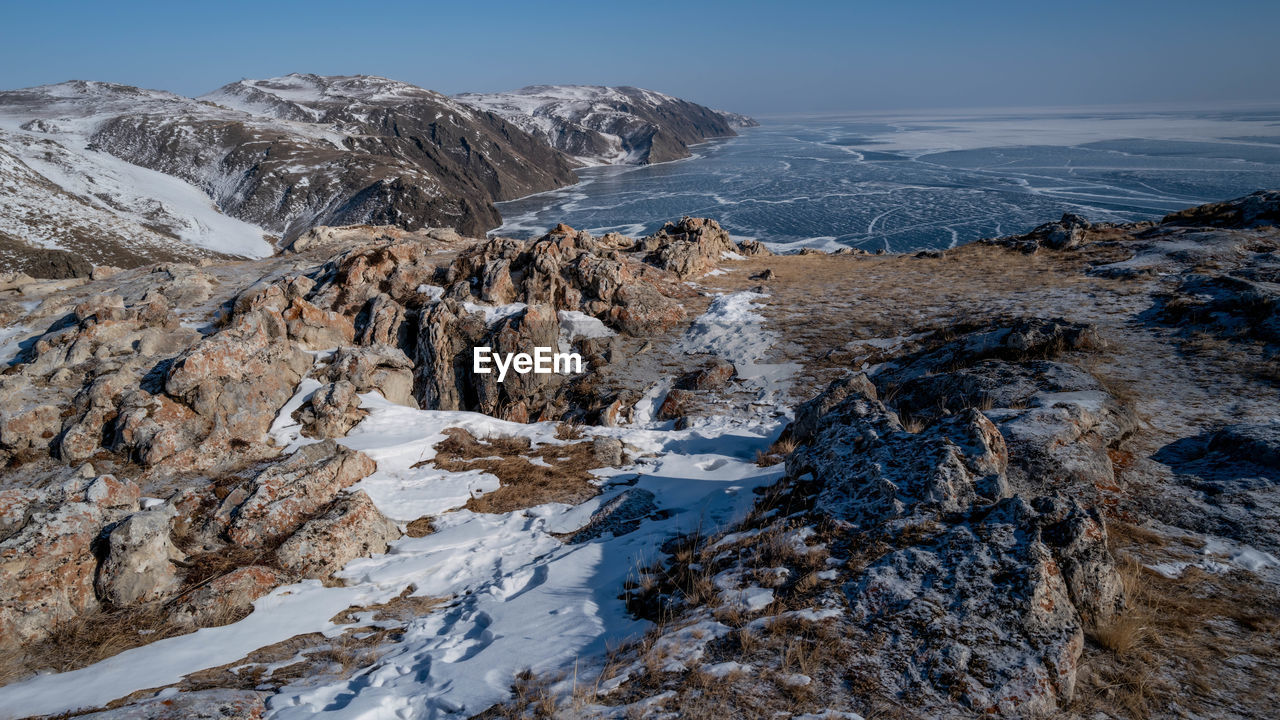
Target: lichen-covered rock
point(154, 428)
point(446, 337)
point(138, 566)
point(317, 329)
point(872, 469)
point(382, 368)
point(27, 425)
point(980, 613)
point(282, 497)
point(990, 606)
point(810, 414)
point(237, 380)
point(350, 528)
point(46, 571)
point(331, 411)
point(47, 558)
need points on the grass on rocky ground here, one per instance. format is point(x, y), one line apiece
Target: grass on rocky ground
point(564, 478)
point(1198, 642)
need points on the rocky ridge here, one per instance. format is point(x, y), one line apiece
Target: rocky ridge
point(610, 125)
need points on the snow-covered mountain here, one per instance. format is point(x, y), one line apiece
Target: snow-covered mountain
point(123, 176)
point(60, 191)
point(610, 125)
point(130, 175)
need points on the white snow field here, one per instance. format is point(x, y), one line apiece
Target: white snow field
point(99, 188)
point(518, 597)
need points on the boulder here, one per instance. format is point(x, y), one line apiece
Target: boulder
point(607, 451)
point(350, 528)
point(712, 377)
point(331, 411)
point(1257, 443)
point(676, 405)
point(27, 425)
point(753, 248)
point(282, 497)
point(618, 516)
point(46, 571)
point(376, 367)
point(138, 566)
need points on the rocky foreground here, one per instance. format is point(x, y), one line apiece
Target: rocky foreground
point(1028, 476)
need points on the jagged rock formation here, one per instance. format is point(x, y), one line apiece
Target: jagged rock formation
point(124, 377)
point(984, 519)
point(610, 125)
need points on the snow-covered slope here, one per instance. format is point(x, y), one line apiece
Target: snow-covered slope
point(124, 175)
point(61, 192)
point(609, 125)
point(255, 157)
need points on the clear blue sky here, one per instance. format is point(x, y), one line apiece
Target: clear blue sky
point(753, 57)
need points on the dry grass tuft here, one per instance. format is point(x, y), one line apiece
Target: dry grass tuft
point(777, 452)
point(564, 478)
point(421, 527)
point(89, 638)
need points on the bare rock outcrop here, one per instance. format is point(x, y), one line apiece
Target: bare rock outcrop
point(1020, 574)
point(350, 528)
point(282, 497)
point(689, 248)
point(138, 565)
point(237, 379)
point(47, 563)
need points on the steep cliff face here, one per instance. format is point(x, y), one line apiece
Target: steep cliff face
point(610, 125)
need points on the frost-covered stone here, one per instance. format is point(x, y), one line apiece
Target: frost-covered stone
point(350, 528)
point(216, 704)
point(282, 497)
point(139, 562)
